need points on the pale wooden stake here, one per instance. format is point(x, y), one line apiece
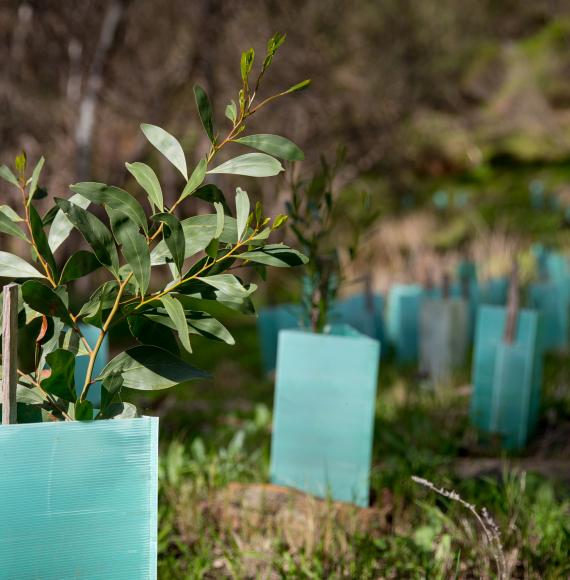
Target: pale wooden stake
point(512, 306)
point(9, 353)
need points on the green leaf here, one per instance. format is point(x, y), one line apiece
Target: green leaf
point(44, 300)
point(79, 264)
point(274, 145)
point(61, 382)
point(83, 411)
point(12, 266)
point(242, 211)
point(206, 325)
point(20, 164)
point(200, 296)
point(298, 87)
point(110, 388)
point(35, 178)
point(7, 175)
point(195, 180)
point(173, 236)
point(150, 368)
point(279, 221)
point(167, 145)
point(29, 395)
point(10, 213)
point(220, 220)
point(228, 284)
point(278, 255)
point(205, 111)
point(121, 410)
point(175, 312)
point(134, 247)
point(114, 197)
point(250, 164)
point(61, 226)
point(102, 299)
point(212, 194)
point(8, 225)
point(246, 63)
point(148, 331)
point(41, 241)
point(147, 179)
point(95, 232)
point(231, 112)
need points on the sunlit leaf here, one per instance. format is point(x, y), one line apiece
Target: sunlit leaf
point(167, 145)
point(242, 211)
point(250, 164)
point(150, 368)
point(147, 179)
point(61, 226)
point(12, 266)
point(195, 180)
point(274, 145)
point(175, 312)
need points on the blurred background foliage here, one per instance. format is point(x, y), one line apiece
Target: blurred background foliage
point(448, 110)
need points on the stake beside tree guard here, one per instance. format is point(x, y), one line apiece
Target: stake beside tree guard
point(9, 353)
point(507, 371)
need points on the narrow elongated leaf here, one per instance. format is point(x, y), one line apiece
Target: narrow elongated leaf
point(114, 197)
point(29, 395)
point(41, 241)
point(61, 382)
point(175, 312)
point(7, 175)
point(206, 325)
point(134, 247)
point(298, 87)
point(10, 213)
point(61, 226)
point(44, 300)
point(150, 368)
point(212, 194)
point(278, 255)
point(79, 264)
point(195, 180)
point(231, 112)
point(173, 235)
point(147, 179)
point(242, 211)
point(219, 220)
point(8, 226)
point(205, 111)
point(228, 284)
point(148, 331)
point(95, 232)
point(12, 266)
point(111, 387)
point(251, 164)
point(35, 178)
point(167, 145)
point(274, 145)
point(200, 296)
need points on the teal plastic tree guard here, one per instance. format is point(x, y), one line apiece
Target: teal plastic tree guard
point(557, 270)
point(402, 320)
point(507, 377)
point(91, 334)
point(550, 299)
point(269, 322)
point(494, 291)
point(364, 313)
point(324, 413)
point(444, 337)
point(79, 500)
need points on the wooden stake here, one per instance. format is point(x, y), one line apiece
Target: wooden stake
point(9, 353)
point(512, 306)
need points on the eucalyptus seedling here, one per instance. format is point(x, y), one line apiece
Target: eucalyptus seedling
point(201, 253)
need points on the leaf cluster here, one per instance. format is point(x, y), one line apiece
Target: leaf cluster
point(128, 244)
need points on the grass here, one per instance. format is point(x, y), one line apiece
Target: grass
point(220, 433)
